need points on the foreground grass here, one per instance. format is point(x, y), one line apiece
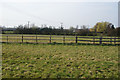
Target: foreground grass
point(59, 61)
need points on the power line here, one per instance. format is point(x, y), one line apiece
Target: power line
point(28, 14)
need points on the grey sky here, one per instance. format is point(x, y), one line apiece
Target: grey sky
point(53, 13)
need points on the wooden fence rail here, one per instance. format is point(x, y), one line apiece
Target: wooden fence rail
point(63, 39)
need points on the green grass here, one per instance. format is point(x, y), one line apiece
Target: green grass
point(59, 61)
point(8, 32)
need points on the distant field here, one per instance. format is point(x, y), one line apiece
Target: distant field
point(59, 61)
point(8, 32)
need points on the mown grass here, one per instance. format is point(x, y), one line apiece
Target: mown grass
point(8, 32)
point(59, 61)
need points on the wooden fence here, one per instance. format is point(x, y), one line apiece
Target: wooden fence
point(60, 39)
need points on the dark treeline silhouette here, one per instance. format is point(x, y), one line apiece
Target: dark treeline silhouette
point(101, 28)
point(58, 31)
point(42, 31)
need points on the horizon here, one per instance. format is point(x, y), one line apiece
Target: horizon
point(55, 13)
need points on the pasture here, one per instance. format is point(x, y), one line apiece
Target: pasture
point(59, 61)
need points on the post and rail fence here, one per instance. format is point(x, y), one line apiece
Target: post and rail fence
point(63, 39)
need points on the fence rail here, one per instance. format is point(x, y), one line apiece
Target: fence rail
point(60, 39)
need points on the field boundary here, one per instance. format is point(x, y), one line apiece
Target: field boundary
point(61, 39)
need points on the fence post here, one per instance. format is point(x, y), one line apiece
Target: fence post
point(64, 39)
point(111, 40)
point(76, 39)
point(115, 40)
point(100, 40)
point(22, 38)
point(50, 38)
point(93, 40)
point(36, 38)
point(7, 38)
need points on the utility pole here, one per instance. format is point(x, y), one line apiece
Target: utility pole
point(28, 24)
point(61, 24)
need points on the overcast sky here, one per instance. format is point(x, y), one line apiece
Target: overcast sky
point(53, 12)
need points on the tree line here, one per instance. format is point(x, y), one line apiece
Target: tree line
point(100, 28)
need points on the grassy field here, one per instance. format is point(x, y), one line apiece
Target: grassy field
point(8, 32)
point(59, 61)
